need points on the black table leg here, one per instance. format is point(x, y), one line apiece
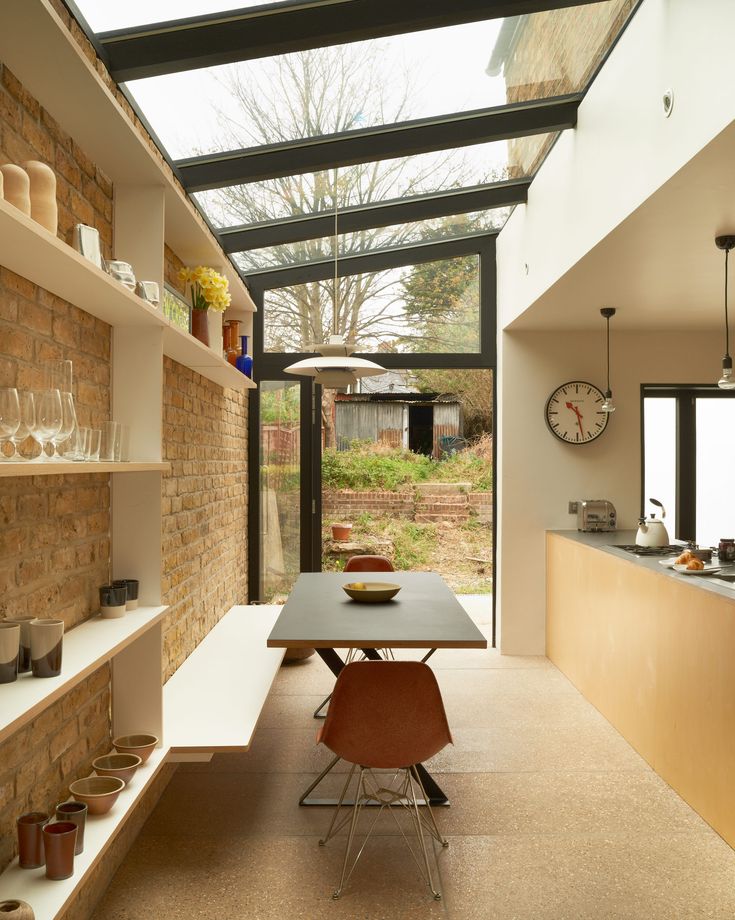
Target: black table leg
point(331, 659)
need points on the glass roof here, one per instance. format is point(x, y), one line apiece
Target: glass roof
point(106, 15)
point(368, 240)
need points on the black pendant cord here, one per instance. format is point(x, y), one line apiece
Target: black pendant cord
point(727, 324)
point(607, 318)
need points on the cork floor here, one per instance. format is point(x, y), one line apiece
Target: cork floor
point(553, 816)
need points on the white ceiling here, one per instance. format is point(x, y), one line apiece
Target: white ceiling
point(660, 268)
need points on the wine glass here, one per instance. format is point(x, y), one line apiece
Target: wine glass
point(9, 417)
point(68, 424)
point(49, 418)
point(27, 422)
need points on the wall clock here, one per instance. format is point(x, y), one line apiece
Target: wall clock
point(573, 412)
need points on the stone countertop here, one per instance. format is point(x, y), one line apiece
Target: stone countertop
point(607, 543)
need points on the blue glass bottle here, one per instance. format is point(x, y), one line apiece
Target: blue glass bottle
point(244, 362)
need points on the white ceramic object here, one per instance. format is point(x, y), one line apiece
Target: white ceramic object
point(112, 613)
point(214, 323)
point(17, 187)
point(9, 651)
point(43, 195)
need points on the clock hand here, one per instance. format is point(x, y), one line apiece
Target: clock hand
point(579, 416)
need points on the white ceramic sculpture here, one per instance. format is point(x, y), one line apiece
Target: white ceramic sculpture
point(43, 195)
point(17, 187)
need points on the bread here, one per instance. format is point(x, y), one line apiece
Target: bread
point(685, 557)
point(695, 565)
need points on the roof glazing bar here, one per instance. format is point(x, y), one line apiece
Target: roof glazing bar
point(279, 28)
point(375, 214)
point(423, 135)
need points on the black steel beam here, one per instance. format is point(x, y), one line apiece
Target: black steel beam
point(374, 214)
point(280, 28)
point(423, 135)
point(375, 260)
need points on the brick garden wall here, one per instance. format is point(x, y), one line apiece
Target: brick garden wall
point(421, 506)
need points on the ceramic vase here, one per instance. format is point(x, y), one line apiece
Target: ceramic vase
point(24, 658)
point(214, 330)
point(16, 910)
point(76, 813)
point(244, 362)
point(30, 839)
point(9, 651)
point(59, 843)
point(199, 326)
point(43, 195)
point(47, 638)
point(17, 187)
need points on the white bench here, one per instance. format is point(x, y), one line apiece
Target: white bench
point(212, 703)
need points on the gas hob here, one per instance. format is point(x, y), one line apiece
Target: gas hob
point(670, 550)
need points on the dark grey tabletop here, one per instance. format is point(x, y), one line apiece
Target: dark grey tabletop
point(425, 614)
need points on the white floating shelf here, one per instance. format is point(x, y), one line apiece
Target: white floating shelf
point(86, 647)
point(48, 898)
point(190, 352)
point(36, 468)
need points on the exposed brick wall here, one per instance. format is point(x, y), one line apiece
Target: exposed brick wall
point(55, 530)
point(28, 132)
point(421, 506)
point(204, 507)
point(557, 52)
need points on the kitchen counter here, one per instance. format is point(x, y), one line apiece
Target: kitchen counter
point(653, 650)
point(606, 542)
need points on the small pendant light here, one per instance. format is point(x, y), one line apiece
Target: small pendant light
point(608, 405)
point(726, 381)
point(335, 367)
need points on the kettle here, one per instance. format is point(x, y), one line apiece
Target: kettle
point(652, 531)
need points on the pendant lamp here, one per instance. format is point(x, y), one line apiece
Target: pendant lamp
point(335, 366)
point(608, 405)
point(726, 381)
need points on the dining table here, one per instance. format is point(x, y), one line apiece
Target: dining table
point(424, 615)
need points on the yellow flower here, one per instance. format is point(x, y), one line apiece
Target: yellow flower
point(185, 274)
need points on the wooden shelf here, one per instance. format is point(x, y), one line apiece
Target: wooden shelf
point(36, 468)
point(190, 352)
point(48, 898)
point(86, 647)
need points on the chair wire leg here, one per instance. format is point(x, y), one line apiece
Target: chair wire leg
point(330, 833)
point(420, 834)
point(351, 836)
point(433, 828)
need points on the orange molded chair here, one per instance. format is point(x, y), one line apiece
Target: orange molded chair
point(368, 564)
point(386, 715)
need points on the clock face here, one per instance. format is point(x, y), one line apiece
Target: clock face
point(573, 412)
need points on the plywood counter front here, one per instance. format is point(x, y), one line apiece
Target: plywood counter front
point(655, 653)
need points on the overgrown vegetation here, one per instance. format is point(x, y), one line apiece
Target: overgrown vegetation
point(368, 466)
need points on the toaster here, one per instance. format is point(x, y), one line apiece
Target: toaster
point(596, 515)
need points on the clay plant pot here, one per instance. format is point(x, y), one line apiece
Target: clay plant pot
point(341, 532)
point(200, 326)
point(16, 910)
point(59, 842)
point(123, 766)
point(142, 745)
point(76, 812)
point(30, 839)
point(99, 793)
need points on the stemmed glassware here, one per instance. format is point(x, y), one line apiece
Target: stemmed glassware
point(49, 419)
point(27, 422)
point(68, 424)
point(9, 417)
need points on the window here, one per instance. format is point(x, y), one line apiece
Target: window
point(688, 443)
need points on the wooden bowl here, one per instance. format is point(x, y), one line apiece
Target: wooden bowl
point(99, 793)
point(123, 766)
point(142, 745)
point(371, 592)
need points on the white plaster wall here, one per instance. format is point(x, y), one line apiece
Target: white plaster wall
point(623, 148)
point(539, 474)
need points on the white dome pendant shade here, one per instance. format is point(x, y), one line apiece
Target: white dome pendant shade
point(333, 365)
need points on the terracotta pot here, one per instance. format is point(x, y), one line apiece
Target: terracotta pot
point(16, 910)
point(43, 195)
point(200, 326)
point(341, 532)
point(30, 839)
point(59, 841)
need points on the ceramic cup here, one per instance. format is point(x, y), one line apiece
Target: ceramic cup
point(59, 842)
point(113, 599)
point(132, 585)
point(76, 812)
point(9, 651)
point(47, 637)
point(24, 659)
point(30, 839)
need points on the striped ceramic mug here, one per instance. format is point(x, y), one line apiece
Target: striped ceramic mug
point(46, 641)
